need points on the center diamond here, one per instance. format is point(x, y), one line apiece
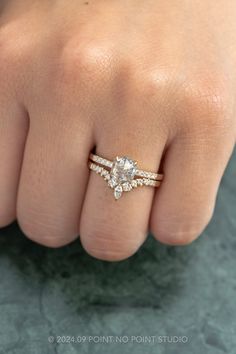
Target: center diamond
point(123, 170)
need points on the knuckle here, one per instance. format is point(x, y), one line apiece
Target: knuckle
point(12, 49)
point(150, 86)
point(101, 245)
point(202, 103)
point(88, 62)
point(44, 233)
point(207, 102)
point(15, 55)
point(147, 90)
point(6, 55)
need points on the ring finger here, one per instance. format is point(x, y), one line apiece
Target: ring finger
point(110, 229)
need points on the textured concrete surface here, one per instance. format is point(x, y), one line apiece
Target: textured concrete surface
point(188, 292)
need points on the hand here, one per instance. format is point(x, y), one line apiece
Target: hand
point(153, 80)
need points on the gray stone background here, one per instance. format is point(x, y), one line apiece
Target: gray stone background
point(161, 291)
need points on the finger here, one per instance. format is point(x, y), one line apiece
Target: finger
point(110, 229)
point(13, 131)
point(53, 180)
point(184, 204)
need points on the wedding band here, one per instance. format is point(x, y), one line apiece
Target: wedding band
point(121, 172)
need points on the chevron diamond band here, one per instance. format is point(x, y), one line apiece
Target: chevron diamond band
point(121, 172)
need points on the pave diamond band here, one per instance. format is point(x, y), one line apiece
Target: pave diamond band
point(140, 173)
point(120, 174)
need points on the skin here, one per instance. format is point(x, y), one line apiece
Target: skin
point(154, 80)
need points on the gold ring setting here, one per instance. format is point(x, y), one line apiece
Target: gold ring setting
point(122, 174)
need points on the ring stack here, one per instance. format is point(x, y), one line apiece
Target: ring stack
point(122, 174)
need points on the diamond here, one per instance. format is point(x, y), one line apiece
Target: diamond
point(112, 182)
point(146, 181)
point(123, 169)
point(104, 172)
point(139, 182)
point(118, 191)
point(126, 187)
